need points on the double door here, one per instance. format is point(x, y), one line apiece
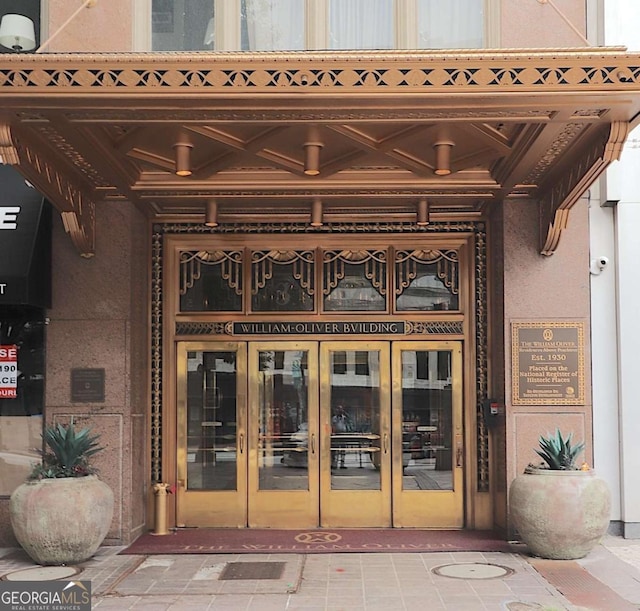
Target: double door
point(319, 434)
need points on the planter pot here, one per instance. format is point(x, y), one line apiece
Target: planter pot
point(61, 521)
point(560, 515)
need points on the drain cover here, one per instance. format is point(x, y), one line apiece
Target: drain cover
point(252, 570)
point(472, 570)
point(42, 573)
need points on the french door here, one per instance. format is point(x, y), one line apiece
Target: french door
point(319, 434)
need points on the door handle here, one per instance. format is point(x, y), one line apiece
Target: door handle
point(241, 440)
point(385, 443)
point(458, 450)
point(313, 443)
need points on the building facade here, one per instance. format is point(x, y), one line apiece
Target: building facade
point(330, 274)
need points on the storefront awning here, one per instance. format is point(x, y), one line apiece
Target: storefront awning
point(25, 243)
point(264, 137)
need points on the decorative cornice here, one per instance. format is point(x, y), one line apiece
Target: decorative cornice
point(574, 181)
point(8, 151)
point(76, 208)
point(321, 73)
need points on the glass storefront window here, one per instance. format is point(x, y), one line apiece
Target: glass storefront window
point(455, 24)
point(361, 24)
point(293, 25)
point(182, 25)
point(22, 353)
point(421, 280)
point(272, 25)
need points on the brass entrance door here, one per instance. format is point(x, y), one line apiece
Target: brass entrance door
point(356, 434)
point(307, 434)
point(428, 438)
point(284, 462)
point(211, 434)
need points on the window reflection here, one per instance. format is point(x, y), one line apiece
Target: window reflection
point(21, 393)
point(355, 281)
point(355, 420)
point(182, 25)
point(426, 280)
point(427, 433)
point(211, 421)
point(283, 420)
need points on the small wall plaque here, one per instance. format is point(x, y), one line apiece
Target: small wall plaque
point(547, 363)
point(87, 385)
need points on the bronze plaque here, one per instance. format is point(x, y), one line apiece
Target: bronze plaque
point(547, 363)
point(87, 385)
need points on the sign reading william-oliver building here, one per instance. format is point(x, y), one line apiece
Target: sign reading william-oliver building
point(547, 363)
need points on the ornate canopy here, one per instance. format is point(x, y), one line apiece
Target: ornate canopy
point(370, 135)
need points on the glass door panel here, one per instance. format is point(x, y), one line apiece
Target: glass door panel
point(356, 457)
point(283, 458)
point(211, 427)
point(428, 440)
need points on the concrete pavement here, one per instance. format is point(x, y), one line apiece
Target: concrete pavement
point(606, 580)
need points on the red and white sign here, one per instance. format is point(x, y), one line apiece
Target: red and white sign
point(8, 371)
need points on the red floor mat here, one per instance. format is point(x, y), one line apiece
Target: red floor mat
point(256, 541)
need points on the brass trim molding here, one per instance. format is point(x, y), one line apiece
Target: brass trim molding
point(446, 327)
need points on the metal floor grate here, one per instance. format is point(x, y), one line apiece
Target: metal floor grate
point(252, 570)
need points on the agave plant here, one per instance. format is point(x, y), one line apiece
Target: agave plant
point(67, 453)
point(559, 453)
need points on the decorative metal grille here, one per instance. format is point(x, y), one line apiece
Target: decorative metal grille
point(301, 263)
point(374, 261)
point(230, 263)
point(436, 328)
point(156, 354)
point(282, 280)
point(408, 263)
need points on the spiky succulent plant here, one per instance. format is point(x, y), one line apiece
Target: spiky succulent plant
point(558, 452)
point(67, 453)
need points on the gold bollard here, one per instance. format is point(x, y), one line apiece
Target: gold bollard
point(160, 523)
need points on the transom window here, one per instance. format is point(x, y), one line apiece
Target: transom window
point(325, 281)
point(292, 25)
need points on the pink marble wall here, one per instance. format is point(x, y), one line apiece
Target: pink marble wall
point(530, 23)
point(107, 26)
point(99, 320)
point(541, 288)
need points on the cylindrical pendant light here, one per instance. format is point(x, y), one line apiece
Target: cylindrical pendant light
point(422, 216)
point(211, 214)
point(443, 157)
point(183, 157)
point(316, 213)
point(312, 148)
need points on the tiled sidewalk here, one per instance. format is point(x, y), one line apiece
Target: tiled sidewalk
point(353, 582)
